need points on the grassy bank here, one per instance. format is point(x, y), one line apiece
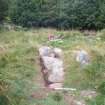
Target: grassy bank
point(19, 63)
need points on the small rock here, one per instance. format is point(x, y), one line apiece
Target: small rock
point(82, 57)
point(55, 69)
point(79, 103)
point(44, 51)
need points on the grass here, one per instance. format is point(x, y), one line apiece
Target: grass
point(99, 100)
point(19, 57)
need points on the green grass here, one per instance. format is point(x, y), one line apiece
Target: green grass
point(99, 100)
point(19, 57)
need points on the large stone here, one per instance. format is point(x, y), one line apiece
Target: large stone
point(48, 61)
point(53, 64)
point(55, 85)
point(55, 69)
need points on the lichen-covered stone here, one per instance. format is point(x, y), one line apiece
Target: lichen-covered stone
point(51, 59)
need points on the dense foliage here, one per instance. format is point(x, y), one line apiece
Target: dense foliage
point(3, 9)
point(59, 13)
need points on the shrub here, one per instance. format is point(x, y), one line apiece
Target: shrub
point(3, 9)
point(101, 88)
point(4, 100)
point(57, 97)
point(62, 14)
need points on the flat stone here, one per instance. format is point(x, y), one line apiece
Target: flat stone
point(55, 85)
point(51, 59)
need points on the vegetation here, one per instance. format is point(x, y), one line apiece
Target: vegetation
point(3, 9)
point(19, 65)
point(64, 14)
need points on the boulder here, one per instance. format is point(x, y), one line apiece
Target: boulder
point(53, 64)
point(55, 69)
point(82, 57)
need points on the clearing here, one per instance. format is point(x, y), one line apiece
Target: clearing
point(20, 75)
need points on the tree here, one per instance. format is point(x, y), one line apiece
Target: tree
point(3, 9)
point(59, 13)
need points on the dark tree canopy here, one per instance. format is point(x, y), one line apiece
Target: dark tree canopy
point(3, 9)
point(59, 13)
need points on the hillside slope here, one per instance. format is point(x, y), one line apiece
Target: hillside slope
point(20, 77)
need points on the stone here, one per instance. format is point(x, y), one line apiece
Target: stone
point(79, 103)
point(48, 61)
point(44, 51)
point(55, 85)
point(55, 69)
point(51, 58)
point(82, 57)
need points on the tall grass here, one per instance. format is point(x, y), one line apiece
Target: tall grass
point(19, 64)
